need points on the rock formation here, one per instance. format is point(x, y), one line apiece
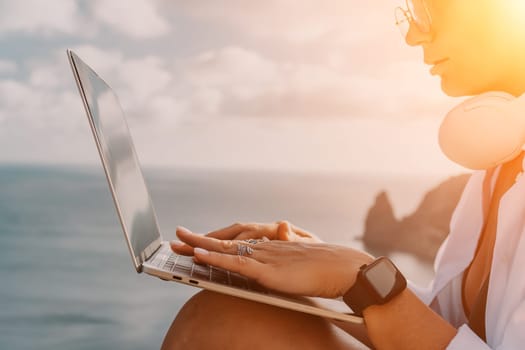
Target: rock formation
point(420, 233)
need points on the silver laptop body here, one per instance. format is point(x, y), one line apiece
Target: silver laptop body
point(149, 252)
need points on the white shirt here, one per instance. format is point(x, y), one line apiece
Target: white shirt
point(505, 310)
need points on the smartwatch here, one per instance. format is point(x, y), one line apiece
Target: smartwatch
point(376, 284)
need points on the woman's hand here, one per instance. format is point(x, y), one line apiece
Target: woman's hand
point(280, 230)
point(308, 269)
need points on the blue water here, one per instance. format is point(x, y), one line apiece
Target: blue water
point(66, 278)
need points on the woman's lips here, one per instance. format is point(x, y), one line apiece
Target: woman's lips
point(441, 61)
point(438, 66)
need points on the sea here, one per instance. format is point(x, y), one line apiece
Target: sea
point(66, 277)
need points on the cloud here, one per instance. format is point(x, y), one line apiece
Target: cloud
point(234, 81)
point(232, 67)
point(307, 59)
point(142, 83)
point(43, 126)
point(12, 94)
point(229, 73)
point(52, 72)
point(138, 19)
point(334, 72)
point(40, 17)
point(8, 67)
point(240, 82)
point(101, 60)
point(296, 21)
point(350, 36)
point(144, 77)
point(47, 103)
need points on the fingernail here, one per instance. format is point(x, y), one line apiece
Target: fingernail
point(177, 243)
point(183, 229)
point(201, 251)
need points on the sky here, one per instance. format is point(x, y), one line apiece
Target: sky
point(288, 85)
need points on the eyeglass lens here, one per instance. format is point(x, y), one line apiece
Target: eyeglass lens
point(416, 12)
point(419, 12)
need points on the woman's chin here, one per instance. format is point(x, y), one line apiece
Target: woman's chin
point(453, 89)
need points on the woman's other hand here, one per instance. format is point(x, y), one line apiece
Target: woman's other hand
point(280, 230)
point(299, 268)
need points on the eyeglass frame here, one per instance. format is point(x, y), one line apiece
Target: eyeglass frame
point(410, 18)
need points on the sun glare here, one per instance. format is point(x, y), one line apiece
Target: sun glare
point(513, 11)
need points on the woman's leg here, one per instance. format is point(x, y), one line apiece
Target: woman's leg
point(215, 321)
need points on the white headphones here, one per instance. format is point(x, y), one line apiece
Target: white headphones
point(484, 131)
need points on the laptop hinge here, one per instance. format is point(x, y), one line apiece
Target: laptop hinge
point(150, 250)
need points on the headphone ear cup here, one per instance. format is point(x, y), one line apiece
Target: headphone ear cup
point(496, 99)
point(483, 131)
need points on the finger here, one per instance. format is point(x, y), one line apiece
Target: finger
point(181, 248)
point(250, 235)
point(300, 232)
point(304, 233)
point(240, 264)
point(284, 231)
point(228, 232)
point(209, 243)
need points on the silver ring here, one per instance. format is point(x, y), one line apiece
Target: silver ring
point(243, 249)
point(255, 241)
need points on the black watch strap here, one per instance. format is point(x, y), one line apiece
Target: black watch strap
point(363, 294)
point(358, 297)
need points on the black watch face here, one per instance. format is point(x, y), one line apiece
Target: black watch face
point(382, 277)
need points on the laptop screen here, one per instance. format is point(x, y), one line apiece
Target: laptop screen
point(120, 162)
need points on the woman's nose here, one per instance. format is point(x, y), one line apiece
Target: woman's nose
point(417, 37)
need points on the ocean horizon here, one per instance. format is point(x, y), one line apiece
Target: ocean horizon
point(67, 277)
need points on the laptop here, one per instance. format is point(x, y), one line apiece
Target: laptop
point(149, 252)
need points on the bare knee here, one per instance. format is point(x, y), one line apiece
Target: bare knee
point(215, 321)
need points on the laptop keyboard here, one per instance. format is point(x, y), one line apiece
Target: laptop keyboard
point(185, 266)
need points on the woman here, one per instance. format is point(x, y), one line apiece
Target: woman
point(477, 300)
